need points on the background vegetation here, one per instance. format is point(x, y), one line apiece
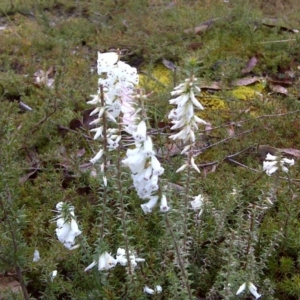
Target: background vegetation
point(250, 226)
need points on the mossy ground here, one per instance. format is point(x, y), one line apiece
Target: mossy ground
point(42, 160)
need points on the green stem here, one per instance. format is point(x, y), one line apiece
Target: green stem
point(181, 263)
point(121, 198)
point(186, 199)
point(104, 157)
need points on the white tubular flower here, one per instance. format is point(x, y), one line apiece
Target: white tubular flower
point(199, 120)
point(164, 204)
point(36, 256)
point(104, 180)
point(89, 267)
point(194, 165)
point(253, 290)
point(195, 101)
point(273, 163)
point(99, 131)
point(158, 290)
point(135, 160)
point(97, 157)
point(270, 167)
point(147, 207)
point(121, 258)
point(113, 144)
point(53, 275)
point(96, 100)
point(118, 80)
point(197, 203)
point(186, 149)
point(141, 132)
point(181, 168)
point(251, 287)
point(155, 164)
point(106, 61)
point(184, 116)
point(147, 290)
point(106, 262)
point(148, 147)
point(241, 288)
point(67, 229)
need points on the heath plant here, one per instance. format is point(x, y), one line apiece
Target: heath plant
point(141, 190)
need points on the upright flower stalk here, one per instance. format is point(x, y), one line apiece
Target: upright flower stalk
point(186, 122)
point(271, 165)
point(114, 105)
point(67, 229)
point(144, 166)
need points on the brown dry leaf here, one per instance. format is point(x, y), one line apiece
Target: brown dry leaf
point(168, 64)
point(250, 65)
point(34, 162)
point(278, 89)
point(85, 166)
point(263, 150)
point(247, 80)
point(194, 46)
point(231, 131)
point(209, 169)
point(75, 123)
point(293, 152)
point(201, 28)
point(9, 284)
point(214, 85)
point(284, 81)
point(169, 150)
point(32, 174)
point(176, 188)
point(273, 22)
point(208, 127)
point(87, 119)
point(80, 152)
